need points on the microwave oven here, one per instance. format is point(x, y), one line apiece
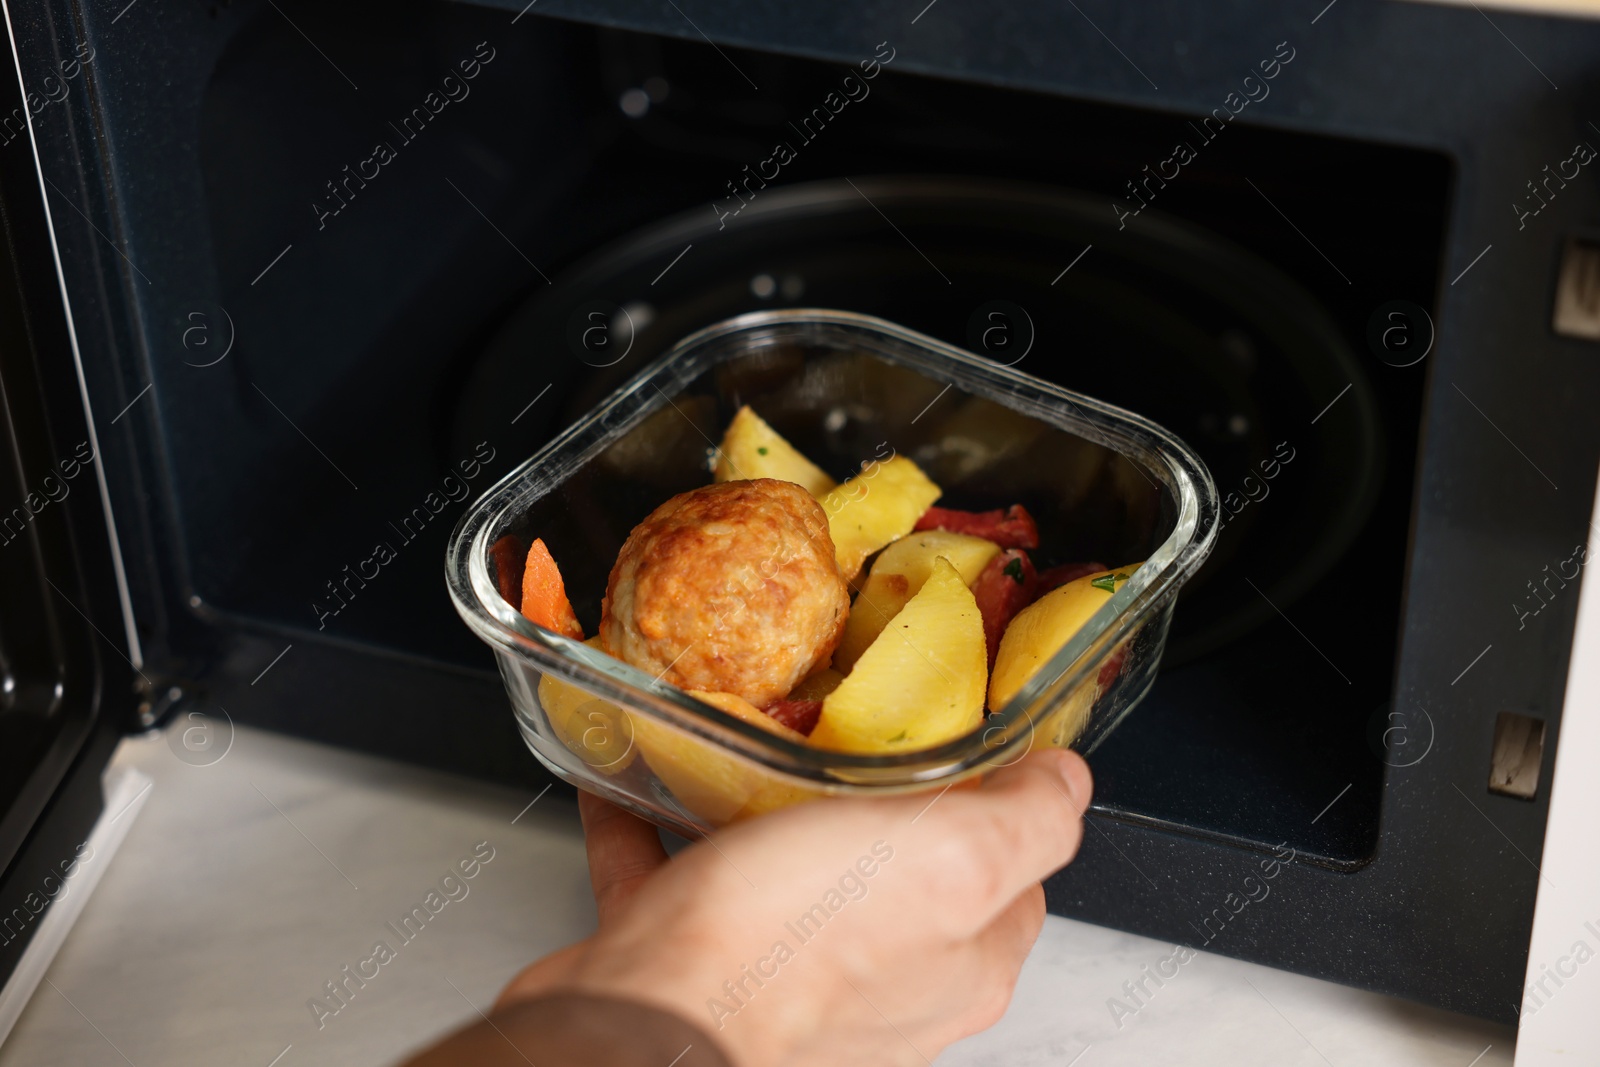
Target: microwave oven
point(287, 282)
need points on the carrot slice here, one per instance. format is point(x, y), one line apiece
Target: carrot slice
point(544, 596)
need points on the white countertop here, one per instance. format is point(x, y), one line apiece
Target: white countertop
point(244, 886)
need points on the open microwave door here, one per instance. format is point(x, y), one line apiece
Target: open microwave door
point(70, 673)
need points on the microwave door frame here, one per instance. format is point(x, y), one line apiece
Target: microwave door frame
point(124, 597)
point(77, 681)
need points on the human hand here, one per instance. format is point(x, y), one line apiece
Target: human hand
point(852, 931)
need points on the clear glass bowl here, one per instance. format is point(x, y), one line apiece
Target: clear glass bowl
point(1104, 484)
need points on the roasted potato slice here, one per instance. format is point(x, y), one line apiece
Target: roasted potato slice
point(898, 575)
point(818, 686)
point(877, 506)
point(597, 731)
point(920, 683)
point(1041, 628)
point(752, 449)
point(709, 782)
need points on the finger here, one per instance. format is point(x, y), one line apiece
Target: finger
point(991, 844)
point(1001, 949)
point(978, 977)
point(623, 851)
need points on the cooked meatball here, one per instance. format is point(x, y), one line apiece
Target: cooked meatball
point(730, 587)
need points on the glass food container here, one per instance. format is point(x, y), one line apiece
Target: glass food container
point(1103, 484)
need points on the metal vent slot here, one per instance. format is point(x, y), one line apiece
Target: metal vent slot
point(1577, 311)
point(1518, 752)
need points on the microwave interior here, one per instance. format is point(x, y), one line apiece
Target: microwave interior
point(446, 313)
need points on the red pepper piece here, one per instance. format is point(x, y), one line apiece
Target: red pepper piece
point(509, 557)
point(1064, 573)
point(1111, 668)
point(1011, 528)
point(798, 715)
point(1006, 586)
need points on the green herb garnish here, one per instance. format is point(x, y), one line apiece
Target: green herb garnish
point(762, 450)
point(1108, 582)
point(1013, 570)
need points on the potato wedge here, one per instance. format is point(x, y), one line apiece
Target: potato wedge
point(1064, 723)
point(708, 782)
point(818, 686)
point(596, 731)
point(877, 506)
point(752, 449)
point(1041, 628)
point(897, 576)
point(920, 683)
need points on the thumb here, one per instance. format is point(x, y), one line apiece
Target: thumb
point(1064, 770)
point(623, 850)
